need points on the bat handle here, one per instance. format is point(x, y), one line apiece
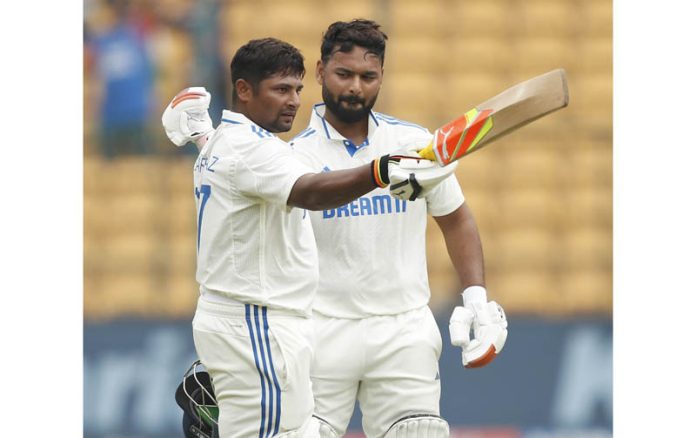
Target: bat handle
point(428, 153)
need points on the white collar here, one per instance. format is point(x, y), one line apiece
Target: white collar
point(321, 125)
point(235, 118)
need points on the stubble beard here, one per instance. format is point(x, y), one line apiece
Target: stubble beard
point(346, 115)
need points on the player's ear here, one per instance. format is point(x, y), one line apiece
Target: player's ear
point(319, 72)
point(244, 90)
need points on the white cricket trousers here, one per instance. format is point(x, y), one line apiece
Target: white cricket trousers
point(258, 359)
point(388, 363)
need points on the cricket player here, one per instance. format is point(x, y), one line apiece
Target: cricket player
point(376, 338)
point(257, 262)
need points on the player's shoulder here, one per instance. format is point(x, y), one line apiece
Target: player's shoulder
point(398, 125)
point(243, 135)
point(309, 137)
point(245, 131)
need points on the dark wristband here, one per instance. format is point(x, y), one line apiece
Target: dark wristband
point(380, 171)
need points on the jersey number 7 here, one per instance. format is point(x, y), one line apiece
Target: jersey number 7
point(205, 191)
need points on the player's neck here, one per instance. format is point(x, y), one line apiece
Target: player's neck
point(243, 109)
point(355, 132)
point(239, 107)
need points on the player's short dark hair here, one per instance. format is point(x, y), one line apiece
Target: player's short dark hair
point(342, 36)
point(262, 58)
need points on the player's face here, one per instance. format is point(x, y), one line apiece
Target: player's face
point(274, 104)
point(350, 83)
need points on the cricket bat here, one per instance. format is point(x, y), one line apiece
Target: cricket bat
point(499, 115)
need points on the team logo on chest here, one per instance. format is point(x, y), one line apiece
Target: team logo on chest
point(368, 206)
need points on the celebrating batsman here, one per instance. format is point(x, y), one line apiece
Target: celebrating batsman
point(257, 259)
point(376, 338)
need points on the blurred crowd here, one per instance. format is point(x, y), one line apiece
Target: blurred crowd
point(542, 198)
point(139, 53)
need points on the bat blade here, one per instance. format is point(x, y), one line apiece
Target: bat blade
point(499, 115)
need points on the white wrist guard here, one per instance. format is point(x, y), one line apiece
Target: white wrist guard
point(186, 117)
point(489, 325)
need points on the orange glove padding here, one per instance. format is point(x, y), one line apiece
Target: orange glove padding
point(186, 117)
point(488, 322)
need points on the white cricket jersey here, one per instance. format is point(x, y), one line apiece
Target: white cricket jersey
point(371, 250)
point(252, 247)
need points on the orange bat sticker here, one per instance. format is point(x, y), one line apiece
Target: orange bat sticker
point(460, 136)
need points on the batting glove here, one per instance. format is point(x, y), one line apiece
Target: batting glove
point(409, 176)
point(489, 324)
point(186, 117)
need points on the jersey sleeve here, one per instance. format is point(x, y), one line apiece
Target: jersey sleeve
point(268, 169)
point(302, 152)
point(444, 198)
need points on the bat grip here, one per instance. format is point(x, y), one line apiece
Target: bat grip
point(428, 153)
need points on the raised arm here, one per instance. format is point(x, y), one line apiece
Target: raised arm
point(186, 119)
point(322, 191)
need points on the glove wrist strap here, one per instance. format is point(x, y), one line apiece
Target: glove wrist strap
point(475, 294)
point(380, 171)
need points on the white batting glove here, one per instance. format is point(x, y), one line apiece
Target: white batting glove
point(412, 177)
point(186, 117)
point(489, 324)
